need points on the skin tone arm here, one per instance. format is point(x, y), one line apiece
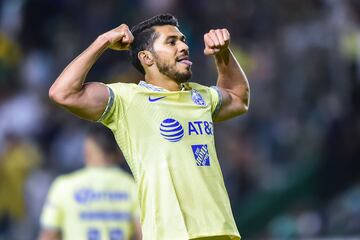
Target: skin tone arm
point(47, 234)
point(231, 81)
point(88, 100)
point(137, 233)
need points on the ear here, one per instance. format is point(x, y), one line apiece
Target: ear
point(146, 58)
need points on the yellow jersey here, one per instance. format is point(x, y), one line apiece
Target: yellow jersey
point(167, 138)
point(95, 203)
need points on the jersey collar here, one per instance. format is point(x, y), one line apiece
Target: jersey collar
point(184, 87)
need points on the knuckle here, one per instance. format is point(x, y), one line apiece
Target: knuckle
point(124, 26)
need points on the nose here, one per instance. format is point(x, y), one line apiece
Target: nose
point(183, 47)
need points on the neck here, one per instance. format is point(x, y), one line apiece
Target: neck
point(99, 162)
point(163, 81)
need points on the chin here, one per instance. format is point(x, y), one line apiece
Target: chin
point(183, 77)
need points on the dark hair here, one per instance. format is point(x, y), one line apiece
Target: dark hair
point(104, 138)
point(145, 35)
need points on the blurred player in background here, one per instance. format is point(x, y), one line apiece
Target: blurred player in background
point(164, 124)
point(95, 203)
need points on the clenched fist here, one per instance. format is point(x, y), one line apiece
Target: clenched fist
point(119, 38)
point(216, 41)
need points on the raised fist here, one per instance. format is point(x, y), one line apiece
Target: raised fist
point(119, 38)
point(216, 41)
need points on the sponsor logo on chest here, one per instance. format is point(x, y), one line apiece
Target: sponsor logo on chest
point(173, 131)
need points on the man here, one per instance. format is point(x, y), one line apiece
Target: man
point(97, 202)
point(164, 125)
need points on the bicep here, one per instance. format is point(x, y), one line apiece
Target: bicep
point(90, 102)
point(50, 234)
point(231, 105)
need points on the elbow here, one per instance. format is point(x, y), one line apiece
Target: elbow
point(54, 95)
point(57, 96)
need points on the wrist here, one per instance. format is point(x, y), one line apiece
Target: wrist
point(222, 57)
point(102, 41)
point(222, 53)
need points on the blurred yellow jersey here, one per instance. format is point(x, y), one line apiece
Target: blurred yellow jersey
point(95, 203)
point(167, 138)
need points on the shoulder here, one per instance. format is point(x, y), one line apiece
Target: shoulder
point(123, 91)
point(66, 179)
point(125, 177)
point(202, 88)
point(119, 86)
point(212, 94)
point(198, 86)
point(58, 185)
point(199, 91)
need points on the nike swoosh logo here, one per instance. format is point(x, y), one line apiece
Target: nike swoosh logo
point(155, 99)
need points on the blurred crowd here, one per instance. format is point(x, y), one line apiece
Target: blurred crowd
point(299, 142)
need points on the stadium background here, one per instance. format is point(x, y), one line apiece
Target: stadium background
point(291, 165)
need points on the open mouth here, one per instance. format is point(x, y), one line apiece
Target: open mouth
point(185, 60)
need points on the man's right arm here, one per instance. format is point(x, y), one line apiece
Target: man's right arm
point(88, 101)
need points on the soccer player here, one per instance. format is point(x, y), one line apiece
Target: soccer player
point(164, 124)
point(96, 203)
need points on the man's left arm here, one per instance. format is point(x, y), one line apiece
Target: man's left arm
point(232, 82)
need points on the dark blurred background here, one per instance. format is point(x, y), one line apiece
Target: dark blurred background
point(291, 164)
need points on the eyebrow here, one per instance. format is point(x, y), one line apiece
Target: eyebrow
point(181, 37)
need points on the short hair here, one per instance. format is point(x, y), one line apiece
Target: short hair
point(145, 35)
point(104, 138)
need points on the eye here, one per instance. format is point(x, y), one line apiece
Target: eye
point(172, 42)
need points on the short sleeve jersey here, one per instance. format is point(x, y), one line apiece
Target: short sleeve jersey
point(92, 204)
point(167, 138)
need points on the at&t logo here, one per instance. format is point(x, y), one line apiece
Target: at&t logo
point(171, 130)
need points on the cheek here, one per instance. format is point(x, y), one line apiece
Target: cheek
point(165, 59)
point(164, 52)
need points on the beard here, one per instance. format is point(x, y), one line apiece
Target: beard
point(171, 72)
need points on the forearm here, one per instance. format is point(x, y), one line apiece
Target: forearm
point(71, 80)
point(232, 82)
point(230, 74)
